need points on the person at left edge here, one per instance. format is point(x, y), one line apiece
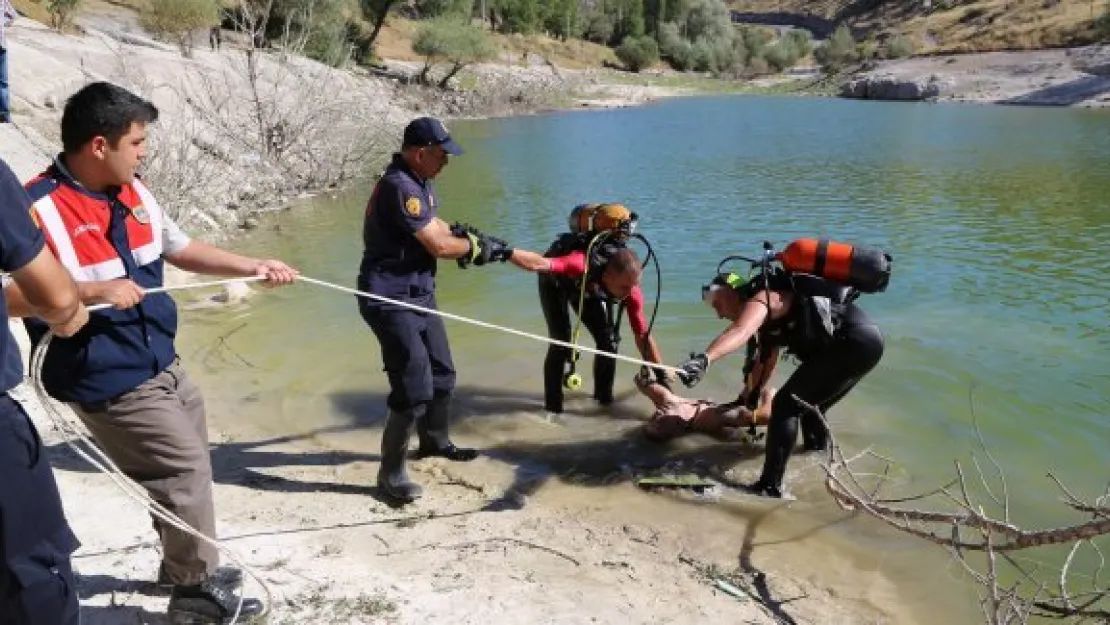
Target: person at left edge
point(403, 237)
point(37, 585)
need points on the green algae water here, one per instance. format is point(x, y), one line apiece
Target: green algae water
point(997, 218)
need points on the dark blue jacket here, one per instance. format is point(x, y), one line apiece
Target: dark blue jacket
point(394, 263)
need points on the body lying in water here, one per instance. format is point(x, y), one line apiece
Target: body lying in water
point(675, 416)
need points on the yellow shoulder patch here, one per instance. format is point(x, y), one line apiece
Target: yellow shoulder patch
point(413, 206)
point(35, 218)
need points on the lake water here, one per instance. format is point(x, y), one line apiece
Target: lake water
point(997, 218)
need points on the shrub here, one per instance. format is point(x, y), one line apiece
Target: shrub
point(839, 51)
point(177, 19)
point(61, 12)
point(782, 55)
point(899, 48)
point(638, 52)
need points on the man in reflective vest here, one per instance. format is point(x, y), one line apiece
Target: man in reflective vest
point(122, 375)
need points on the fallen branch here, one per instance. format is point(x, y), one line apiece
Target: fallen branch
point(969, 527)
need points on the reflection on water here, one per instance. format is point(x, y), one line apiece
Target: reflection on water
point(996, 219)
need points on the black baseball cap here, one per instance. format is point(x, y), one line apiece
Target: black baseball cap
point(425, 131)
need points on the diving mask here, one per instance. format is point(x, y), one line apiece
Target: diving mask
point(722, 281)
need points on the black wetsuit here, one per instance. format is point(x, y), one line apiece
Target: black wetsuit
point(831, 364)
point(559, 294)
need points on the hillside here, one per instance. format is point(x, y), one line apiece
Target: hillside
point(394, 42)
point(946, 26)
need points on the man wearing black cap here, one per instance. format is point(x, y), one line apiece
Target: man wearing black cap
point(403, 237)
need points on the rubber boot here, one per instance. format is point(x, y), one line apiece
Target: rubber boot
point(392, 478)
point(777, 454)
point(815, 436)
point(433, 433)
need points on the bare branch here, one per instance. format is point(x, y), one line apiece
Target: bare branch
point(966, 529)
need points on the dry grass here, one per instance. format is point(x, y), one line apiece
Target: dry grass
point(395, 42)
point(976, 26)
point(33, 9)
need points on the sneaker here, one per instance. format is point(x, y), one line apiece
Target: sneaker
point(209, 603)
point(224, 575)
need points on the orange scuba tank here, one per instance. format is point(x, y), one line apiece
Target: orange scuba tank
point(596, 218)
point(862, 268)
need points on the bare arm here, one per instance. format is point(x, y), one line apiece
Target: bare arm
point(120, 294)
point(649, 349)
point(530, 261)
point(436, 237)
point(755, 311)
point(761, 373)
point(200, 257)
point(44, 289)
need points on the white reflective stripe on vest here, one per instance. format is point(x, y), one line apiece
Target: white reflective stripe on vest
point(107, 270)
point(52, 221)
point(151, 251)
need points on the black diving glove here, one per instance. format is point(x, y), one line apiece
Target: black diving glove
point(693, 369)
point(483, 247)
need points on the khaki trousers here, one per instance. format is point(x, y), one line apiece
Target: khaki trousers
point(158, 436)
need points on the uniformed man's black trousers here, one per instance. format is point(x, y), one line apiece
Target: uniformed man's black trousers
point(557, 304)
point(415, 353)
point(36, 582)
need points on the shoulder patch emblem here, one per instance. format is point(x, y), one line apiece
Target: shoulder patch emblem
point(413, 206)
point(141, 215)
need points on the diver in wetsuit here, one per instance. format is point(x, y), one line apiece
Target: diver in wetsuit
point(813, 319)
point(591, 272)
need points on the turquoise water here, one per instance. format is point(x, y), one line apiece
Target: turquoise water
point(997, 219)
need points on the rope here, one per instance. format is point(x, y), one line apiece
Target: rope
point(73, 433)
point(104, 464)
point(484, 324)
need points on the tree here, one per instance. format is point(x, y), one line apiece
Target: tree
point(516, 16)
point(599, 27)
point(448, 40)
point(439, 8)
point(561, 19)
point(375, 12)
point(629, 20)
point(701, 37)
point(177, 19)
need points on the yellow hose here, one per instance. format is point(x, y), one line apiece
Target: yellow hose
point(582, 299)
